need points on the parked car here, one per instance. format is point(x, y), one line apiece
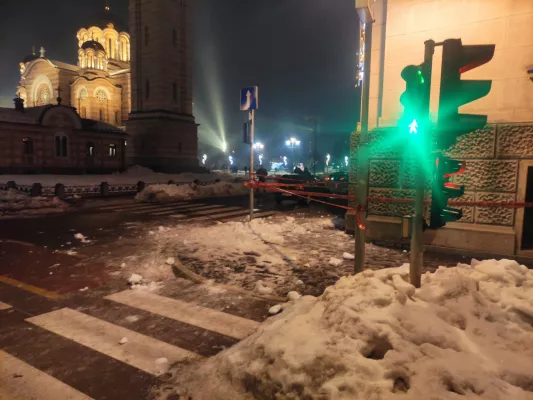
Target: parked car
point(337, 182)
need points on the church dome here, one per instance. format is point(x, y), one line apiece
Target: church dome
point(92, 44)
point(106, 19)
point(29, 58)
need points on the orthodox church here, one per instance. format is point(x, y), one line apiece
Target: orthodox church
point(98, 86)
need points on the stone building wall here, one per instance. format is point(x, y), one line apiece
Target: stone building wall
point(493, 159)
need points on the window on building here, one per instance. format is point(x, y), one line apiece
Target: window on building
point(100, 95)
point(174, 38)
point(147, 89)
point(117, 118)
point(110, 49)
point(146, 35)
point(112, 150)
point(90, 149)
point(101, 114)
point(61, 145)
point(175, 91)
point(43, 95)
point(179, 147)
point(28, 146)
point(84, 94)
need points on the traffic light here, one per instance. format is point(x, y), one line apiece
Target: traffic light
point(454, 92)
point(443, 190)
point(413, 100)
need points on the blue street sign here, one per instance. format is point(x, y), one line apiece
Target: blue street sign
point(249, 98)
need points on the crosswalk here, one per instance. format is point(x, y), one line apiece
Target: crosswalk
point(134, 335)
point(186, 211)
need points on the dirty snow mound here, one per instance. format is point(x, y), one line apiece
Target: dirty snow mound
point(467, 332)
point(191, 191)
point(13, 201)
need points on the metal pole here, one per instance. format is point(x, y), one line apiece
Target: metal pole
point(417, 239)
point(362, 158)
point(314, 148)
point(252, 170)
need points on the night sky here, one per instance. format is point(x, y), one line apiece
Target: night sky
point(301, 53)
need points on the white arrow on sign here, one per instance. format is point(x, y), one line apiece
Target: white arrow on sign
point(248, 100)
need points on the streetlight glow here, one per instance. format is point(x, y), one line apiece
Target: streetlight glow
point(259, 145)
point(204, 159)
point(328, 157)
point(292, 142)
point(230, 160)
point(346, 160)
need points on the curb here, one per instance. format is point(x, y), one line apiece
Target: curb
point(181, 271)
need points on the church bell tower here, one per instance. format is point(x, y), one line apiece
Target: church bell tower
point(162, 129)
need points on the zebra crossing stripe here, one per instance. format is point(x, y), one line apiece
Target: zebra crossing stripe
point(202, 317)
point(122, 206)
point(140, 351)
point(224, 215)
point(4, 306)
point(19, 380)
point(169, 209)
point(185, 209)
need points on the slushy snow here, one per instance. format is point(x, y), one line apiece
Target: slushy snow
point(467, 333)
point(13, 201)
point(190, 191)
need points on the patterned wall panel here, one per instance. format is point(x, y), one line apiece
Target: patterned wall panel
point(515, 141)
point(390, 209)
point(493, 215)
point(477, 144)
point(489, 176)
point(384, 143)
point(384, 173)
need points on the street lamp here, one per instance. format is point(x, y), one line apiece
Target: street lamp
point(259, 145)
point(292, 142)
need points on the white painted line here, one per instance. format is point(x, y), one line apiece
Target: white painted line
point(166, 209)
point(19, 380)
point(192, 314)
point(141, 351)
point(4, 306)
point(242, 211)
point(136, 205)
point(185, 209)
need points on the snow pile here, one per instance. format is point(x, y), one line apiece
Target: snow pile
point(191, 191)
point(467, 332)
point(14, 201)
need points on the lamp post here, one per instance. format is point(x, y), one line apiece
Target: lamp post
point(292, 142)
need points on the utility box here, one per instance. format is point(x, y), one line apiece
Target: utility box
point(407, 226)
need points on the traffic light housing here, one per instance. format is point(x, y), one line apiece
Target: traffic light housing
point(454, 92)
point(443, 190)
point(413, 99)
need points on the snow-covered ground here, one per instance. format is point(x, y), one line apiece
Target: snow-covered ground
point(130, 176)
point(467, 333)
point(15, 202)
point(191, 191)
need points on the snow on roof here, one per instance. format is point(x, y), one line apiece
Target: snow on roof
point(467, 332)
point(63, 65)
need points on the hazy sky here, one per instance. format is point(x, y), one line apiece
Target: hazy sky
point(301, 53)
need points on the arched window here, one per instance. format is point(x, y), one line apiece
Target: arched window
point(61, 145)
point(117, 119)
point(28, 146)
point(101, 96)
point(146, 35)
point(174, 38)
point(84, 93)
point(112, 150)
point(90, 149)
point(43, 95)
point(64, 146)
point(147, 89)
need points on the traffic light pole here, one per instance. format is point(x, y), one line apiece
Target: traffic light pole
point(252, 170)
point(417, 240)
point(362, 158)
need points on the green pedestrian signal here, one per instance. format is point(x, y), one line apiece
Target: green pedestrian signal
point(412, 99)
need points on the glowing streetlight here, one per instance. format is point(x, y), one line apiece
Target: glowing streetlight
point(260, 159)
point(346, 160)
point(292, 142)
point(204, 159)
point(259, 145)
